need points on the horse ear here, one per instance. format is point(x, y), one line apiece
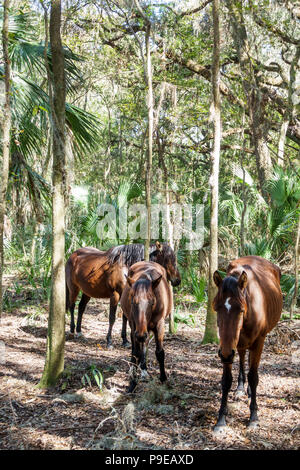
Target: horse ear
point(217, 278)
point(156, 282)
point(158, 245)
point(130, 281)
point(243, 279)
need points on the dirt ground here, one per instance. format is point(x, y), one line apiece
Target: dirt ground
point(179, 415)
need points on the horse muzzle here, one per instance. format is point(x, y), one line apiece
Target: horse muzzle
point(175, 282)
point(141, 338)
point(228, 359)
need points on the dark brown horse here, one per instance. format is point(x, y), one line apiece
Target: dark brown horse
point(146, 302)
point(248, 306)
point(101, 274)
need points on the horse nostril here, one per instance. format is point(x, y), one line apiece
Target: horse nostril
point(141, 338)
point(228, 359)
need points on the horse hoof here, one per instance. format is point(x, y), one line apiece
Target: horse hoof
point(163, 379)
point(220, 429)
point(131, 388)
point(144, 374)
point(253, 425)
point(239, 394)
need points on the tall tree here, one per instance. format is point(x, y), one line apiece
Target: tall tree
point(297, 254)
point(6, 126)
point(289, 113)
point(54, 364)
point(211, 335)
point(149, 85)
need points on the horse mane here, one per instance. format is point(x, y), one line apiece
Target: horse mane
point(130, 254)
point(142, 283)
point(230, 285)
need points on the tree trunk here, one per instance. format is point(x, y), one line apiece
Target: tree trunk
point(6, 126)
point(290, 110)
point(297, 253)
point(54, 364)
point(148, 80)
point(211, 333)
point(259, 126)
point(161, 147)
point(257, 99)
point(150, 140)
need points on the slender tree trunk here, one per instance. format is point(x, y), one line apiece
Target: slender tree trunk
point(297, 253)
point(150, 140)
point(211, 333)
point(171, 241)
point(54, 364)
point(244, 194)
point(257, 99)
point(148, 80)
point(6, 126)
point(161, 147)
point(290, 110)
point(282, 136)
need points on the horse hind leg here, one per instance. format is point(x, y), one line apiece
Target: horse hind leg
point(112, 317)
point(71, 296)
point(125, 343)
point(82, 305)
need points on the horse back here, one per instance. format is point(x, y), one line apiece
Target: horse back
point(263, 292)
point(90, 270)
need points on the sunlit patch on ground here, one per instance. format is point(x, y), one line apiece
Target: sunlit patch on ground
point(178, 415)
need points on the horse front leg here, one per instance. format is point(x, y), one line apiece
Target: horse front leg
point(240, 391)
point(159, 352)
point(254, 359)
point(143, 358)
point(226, 386)
point(138, 360)
point(112, 316)
point(133, 375)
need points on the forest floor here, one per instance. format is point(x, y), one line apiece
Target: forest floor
point(178, 415)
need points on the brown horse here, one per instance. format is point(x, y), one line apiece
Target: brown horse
point(248, 306)
point(146, 301)
point(101, 274)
